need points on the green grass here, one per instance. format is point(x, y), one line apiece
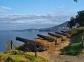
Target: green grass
point(36, 59)
point(20, 57)
point(73, 49)
point(75, 46)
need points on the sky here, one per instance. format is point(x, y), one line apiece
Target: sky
point(25, 14)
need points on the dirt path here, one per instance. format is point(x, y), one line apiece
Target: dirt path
point(53, 54)
point(66, 58)
point(54, 51)
point(55, 57)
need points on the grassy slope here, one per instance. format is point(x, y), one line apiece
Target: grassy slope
point(75, 46)
point(20, 57)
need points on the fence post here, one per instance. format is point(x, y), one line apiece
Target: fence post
point(35, 49)
point(11, 44)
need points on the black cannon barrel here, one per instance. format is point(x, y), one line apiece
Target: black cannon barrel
point(23, 40)
point(68, 32)
point(61, 33)
point(58, 36)
point(46, 38)
point(64, 31)
point(64, 34)
point(58, 33)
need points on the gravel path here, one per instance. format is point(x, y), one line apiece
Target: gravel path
point(55, 57)
point(53, 54)
point(66, 58)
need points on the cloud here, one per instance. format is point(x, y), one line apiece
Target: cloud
point(35, 19)
point(4, 8)
point(19, 21)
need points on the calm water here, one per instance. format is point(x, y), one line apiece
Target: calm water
point(11, 35)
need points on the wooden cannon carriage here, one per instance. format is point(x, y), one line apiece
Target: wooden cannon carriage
point(56, 37)
point(64, 36)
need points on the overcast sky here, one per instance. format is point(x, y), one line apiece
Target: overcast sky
point(23, 14)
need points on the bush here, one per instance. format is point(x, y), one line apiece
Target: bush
point(75, 46)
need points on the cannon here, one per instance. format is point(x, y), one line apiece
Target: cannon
point(55, 35)
point(24, 40)
point(64, 34)
point(69, 32)
point(57, 38)
point(46, 38)
point(31, 45)
point(60, 33)
point(64, 31)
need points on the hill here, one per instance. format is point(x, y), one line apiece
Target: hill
point(57, 28)
point(60, 27)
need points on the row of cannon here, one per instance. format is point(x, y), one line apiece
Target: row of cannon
point(42, 42)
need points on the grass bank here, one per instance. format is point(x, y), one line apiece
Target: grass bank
point(20, 57)
point(75, 46)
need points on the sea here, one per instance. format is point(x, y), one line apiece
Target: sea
point(6, 36)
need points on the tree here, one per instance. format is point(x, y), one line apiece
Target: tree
point(80, 18)
point(71, 23)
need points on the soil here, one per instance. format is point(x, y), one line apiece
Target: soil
point(53, 54)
